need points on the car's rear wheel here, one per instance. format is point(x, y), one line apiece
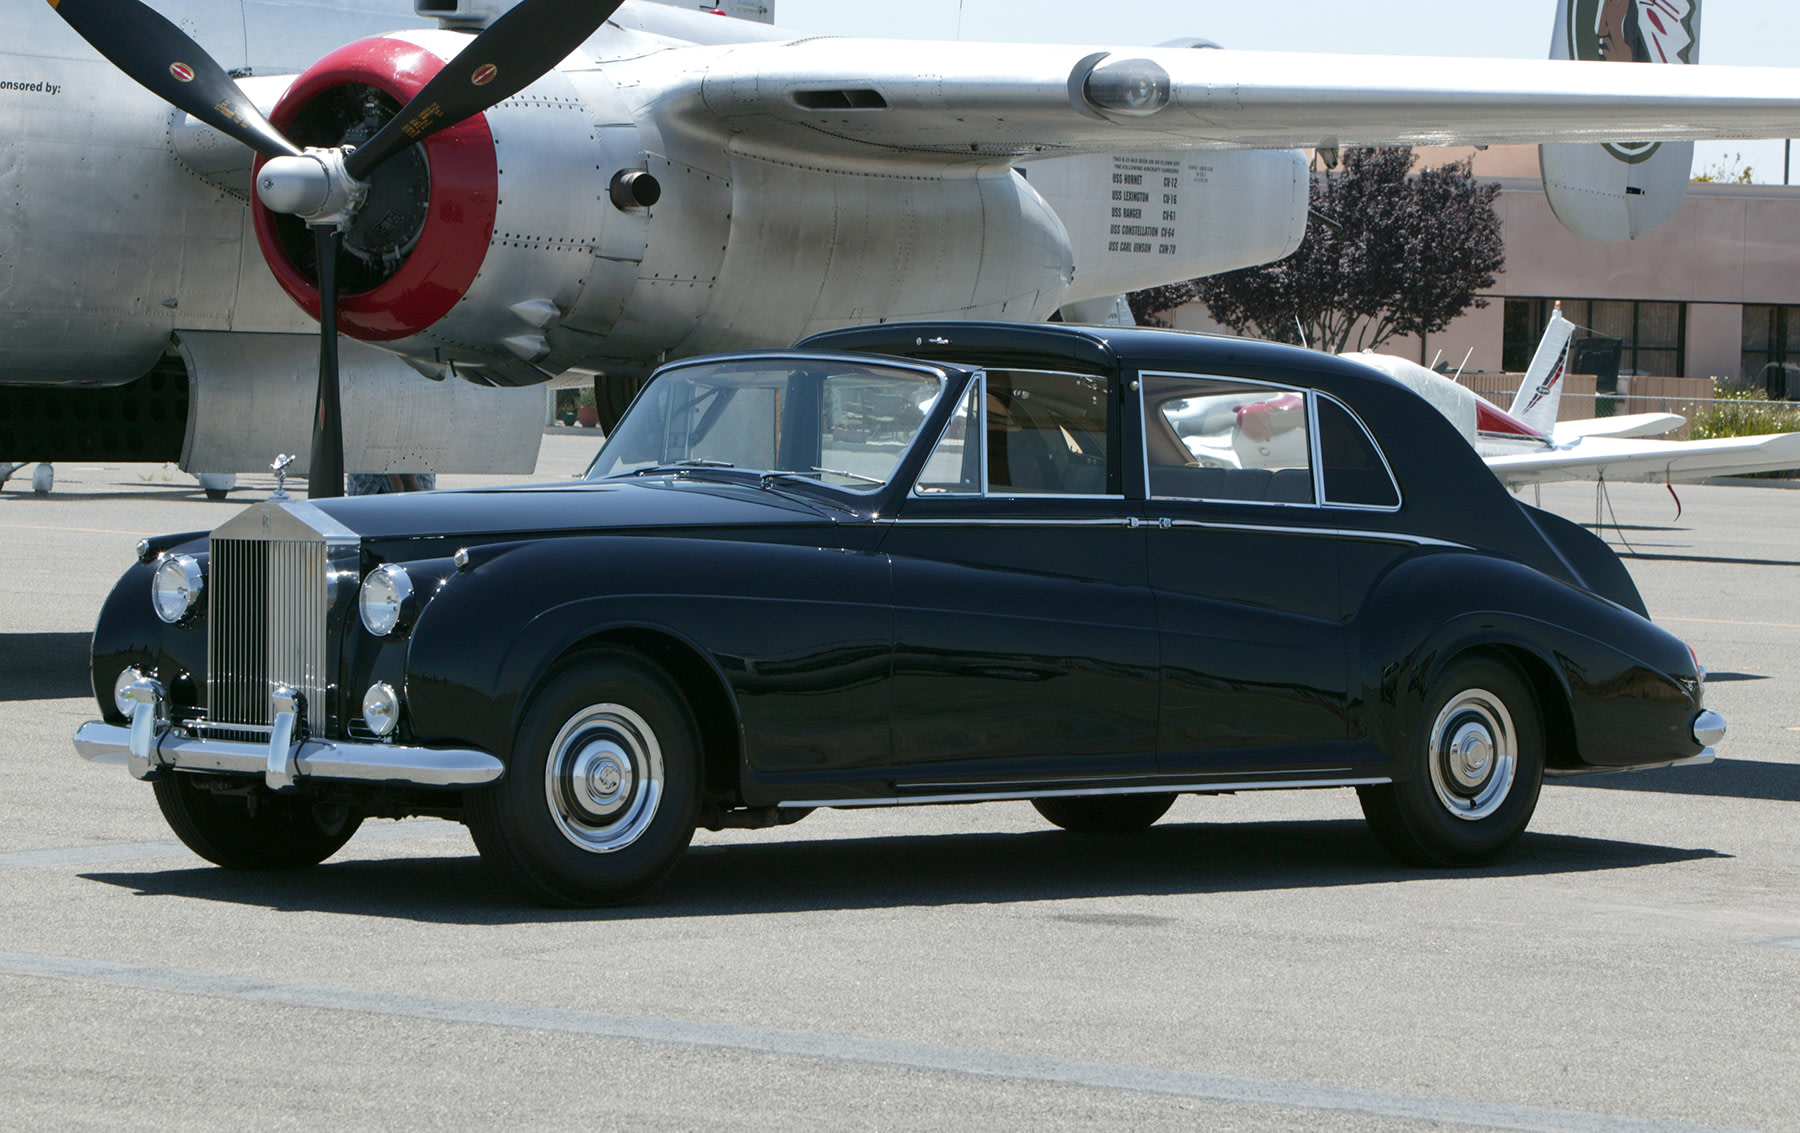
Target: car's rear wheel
point(257, 830)
point(1105, 814)
point(602, 794)
point(1473, 770)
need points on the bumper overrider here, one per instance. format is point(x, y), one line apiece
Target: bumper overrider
point(152, 744)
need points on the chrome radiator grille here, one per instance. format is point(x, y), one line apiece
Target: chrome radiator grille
point(265, 628)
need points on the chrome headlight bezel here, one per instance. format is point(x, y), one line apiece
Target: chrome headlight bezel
point(176, 588)
point(386, 600)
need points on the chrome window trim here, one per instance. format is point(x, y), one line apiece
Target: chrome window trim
point(1333, 532)
point(977, 425)
point(1180, 787)
point(1011, 521)
point(1312, 425)
point(1165, 523)
point(1316, 446)
point(981, 395)
point(1393, 481)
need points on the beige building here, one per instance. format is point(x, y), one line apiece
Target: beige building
point(1713, 292)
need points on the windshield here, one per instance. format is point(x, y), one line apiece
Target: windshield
point(841, 423)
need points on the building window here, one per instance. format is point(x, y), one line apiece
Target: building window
point(1524, 325)
point(1653, 336)
point(1767, 341)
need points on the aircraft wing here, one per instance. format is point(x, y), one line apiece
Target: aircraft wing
point(1619, 457)
point(1629, 425)
point(980, 101)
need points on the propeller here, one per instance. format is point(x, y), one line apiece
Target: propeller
point(326, 187)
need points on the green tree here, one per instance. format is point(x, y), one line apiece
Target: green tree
point(1733, 171)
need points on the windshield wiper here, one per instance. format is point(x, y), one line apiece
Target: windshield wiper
point(849, 475)
point(681, 466)
point(813, 477)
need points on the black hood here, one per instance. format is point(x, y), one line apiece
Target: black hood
point(659, 502)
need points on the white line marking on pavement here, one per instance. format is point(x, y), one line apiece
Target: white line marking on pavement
point(102, 853)
point(98, 854)
point(1728, 622)
point(1779, 942)
point(840, 1048)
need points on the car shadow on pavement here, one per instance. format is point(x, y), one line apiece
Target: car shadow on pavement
point(44, 666)
point(899, 872)
point(1723, 778)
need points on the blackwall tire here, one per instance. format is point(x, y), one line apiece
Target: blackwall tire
point(1472, 770)
point(1105, 814)
point(281, 833)
point(602, 793)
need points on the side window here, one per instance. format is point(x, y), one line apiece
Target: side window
point(1218, 439)
point(1048, 433)
point(1355, 473)
point(955, 465)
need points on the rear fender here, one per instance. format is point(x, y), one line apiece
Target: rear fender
point(1609, 679)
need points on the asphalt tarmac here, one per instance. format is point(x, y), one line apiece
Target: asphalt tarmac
point(1252, 962)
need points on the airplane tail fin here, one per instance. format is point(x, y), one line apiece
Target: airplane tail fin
point(1541, 391)
point(1620, 191)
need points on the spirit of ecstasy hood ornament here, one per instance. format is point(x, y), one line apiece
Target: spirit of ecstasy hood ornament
point(280, 467)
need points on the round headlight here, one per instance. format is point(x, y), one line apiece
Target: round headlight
point(385, 600)
point(381, 708)
point(176, 587)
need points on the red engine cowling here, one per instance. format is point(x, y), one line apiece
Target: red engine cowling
point(422, 237)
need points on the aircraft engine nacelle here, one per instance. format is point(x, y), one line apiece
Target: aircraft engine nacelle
point(471, 247)
point(1140, 220)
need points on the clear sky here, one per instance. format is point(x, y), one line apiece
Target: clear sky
point(1742, 32)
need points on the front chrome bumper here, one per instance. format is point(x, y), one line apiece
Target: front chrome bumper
point(151, 744)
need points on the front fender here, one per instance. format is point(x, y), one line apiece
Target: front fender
point(498, 626)
point(128, 632)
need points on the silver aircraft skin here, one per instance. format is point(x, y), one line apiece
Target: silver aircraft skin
point(799, 183)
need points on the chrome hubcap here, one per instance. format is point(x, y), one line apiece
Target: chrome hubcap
point(1474, 754)
point(604, 778)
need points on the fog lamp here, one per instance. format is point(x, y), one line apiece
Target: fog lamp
point(381, 708)
point(122, 690)
point(176, 587)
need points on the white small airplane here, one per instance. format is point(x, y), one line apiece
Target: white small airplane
point(1528, 445)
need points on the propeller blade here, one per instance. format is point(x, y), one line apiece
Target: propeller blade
point(515, 51)
point(326, 478)
point(160, 55)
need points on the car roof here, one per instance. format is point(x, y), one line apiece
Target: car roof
point(1098, 349)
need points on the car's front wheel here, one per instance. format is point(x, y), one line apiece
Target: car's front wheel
point(1105, 814)
point(602, 793)
point(1474, 770)
point(253, 830)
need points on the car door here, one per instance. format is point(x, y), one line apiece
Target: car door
point(1025, 632)
point(1244, 566)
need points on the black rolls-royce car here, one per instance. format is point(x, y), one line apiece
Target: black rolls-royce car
point(1092, 568)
